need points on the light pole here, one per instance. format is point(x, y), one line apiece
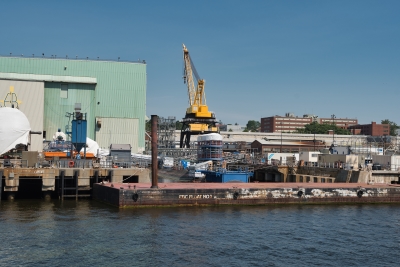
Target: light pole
point(384, 144)
point(281, 136)
point(333, 119)
point(314, 138)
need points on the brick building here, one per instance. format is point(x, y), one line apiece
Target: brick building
point(286, 146)
point(372, 129)
point(289, 123)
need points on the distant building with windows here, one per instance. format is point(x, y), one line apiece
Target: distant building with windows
point(372, 129)
point(290, 122)
point(232, 128)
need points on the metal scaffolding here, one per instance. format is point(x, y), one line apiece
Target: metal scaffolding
point(166, 132)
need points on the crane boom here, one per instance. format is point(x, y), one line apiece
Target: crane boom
point(198, 119)
point(197, 97)
point(188, 75)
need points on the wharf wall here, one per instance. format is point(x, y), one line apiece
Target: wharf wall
point(351, 176)
point(52, 179)
point(238, 194)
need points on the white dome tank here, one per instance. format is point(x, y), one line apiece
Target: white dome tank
point(14, 129)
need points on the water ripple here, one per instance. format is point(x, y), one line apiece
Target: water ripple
point(88, 233)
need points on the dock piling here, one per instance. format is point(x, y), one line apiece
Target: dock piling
point(62, 177)
point(76, 176)
point(154, 152)
point(1, 183)
point(96, 176)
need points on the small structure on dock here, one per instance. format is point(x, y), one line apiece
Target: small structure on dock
point(121, 153)
point(222, 175)
point(210, 150)
point(209, 147)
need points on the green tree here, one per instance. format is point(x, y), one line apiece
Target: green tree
point(252, 126)
point(317, 128)
point(393, 126)
point(178, 125)
point(148, 126)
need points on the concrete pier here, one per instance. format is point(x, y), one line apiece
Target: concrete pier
point(55, 180)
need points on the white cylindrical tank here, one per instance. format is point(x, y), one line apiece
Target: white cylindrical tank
point(209, 147)
point(209, 137)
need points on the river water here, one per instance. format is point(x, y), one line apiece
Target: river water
point(88, 233)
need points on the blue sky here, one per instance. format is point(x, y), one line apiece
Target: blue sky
point(259, 58)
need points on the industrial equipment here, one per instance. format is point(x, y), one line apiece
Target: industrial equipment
point(61, 148)
point(198, 119)
point(79, 129)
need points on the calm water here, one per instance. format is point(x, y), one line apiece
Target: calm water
point(87, 233)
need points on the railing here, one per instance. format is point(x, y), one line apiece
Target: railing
point(240, 168)
point(352, 166)
point(73, 163)
point(108, 162)
point(233, 168)
point(333, 165)
point(141, 163)
point(72, 58)
point(23, 163)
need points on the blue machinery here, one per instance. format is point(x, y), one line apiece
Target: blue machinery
point(222, 175)
point(79, 130)
point(210, 149)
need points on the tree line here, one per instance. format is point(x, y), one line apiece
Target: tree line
point(316, 128)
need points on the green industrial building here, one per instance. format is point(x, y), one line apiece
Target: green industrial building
point(111, 93)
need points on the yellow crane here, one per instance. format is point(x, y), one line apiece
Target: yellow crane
point(198, 118)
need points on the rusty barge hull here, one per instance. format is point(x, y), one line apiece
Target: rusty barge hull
point(141, 195)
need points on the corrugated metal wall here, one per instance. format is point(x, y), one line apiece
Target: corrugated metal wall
point(56, 107)
point(120, 91)
point(117, 131)
point(30, 95)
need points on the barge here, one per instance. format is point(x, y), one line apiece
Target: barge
point(125, 195)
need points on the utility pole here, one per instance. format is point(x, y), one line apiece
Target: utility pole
point(384, 144)
point(154, 151)
point(314, 122)
point(314, 138)
point(281, 136)
point(333, 118)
